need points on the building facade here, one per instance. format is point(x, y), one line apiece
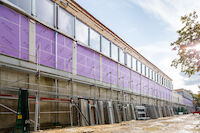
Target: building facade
point(187, 97)
point(57, 50)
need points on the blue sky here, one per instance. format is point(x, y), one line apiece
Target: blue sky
point(149, 26)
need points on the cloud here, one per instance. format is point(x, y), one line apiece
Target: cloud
point(168, 11)
point(192, 81)
point(162, 57)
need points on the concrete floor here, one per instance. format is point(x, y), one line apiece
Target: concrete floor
point(176, 124)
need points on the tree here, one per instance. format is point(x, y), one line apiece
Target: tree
point(196, 100)
point(187, 45)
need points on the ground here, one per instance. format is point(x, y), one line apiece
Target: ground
point(175, 124)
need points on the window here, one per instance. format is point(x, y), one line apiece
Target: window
point(145, 73)
point(143, 69)
point(121, 56)
point(23, 4)
point(81, 32)
point(65, 22)
point(128, 59)
point(160, 80)
point(134, 64)
point(155, 77)
point(166, 83)
point(139, 66)
point(114, 52)
point(105, 46)
point(45, 11)
point(94, 40)
point(149, 73)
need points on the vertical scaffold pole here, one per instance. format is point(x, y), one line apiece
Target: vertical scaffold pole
point(37, 102)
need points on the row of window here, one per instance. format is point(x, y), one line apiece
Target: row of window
point(146, 71)
point(56, 16)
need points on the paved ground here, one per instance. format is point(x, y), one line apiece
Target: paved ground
point(176, 124)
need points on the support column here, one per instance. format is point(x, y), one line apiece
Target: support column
point(118, 74)
point(100, 67)
point(140, 89)
point(131, 89)
point(74, 68)
point(74, 58)
point(32, 40)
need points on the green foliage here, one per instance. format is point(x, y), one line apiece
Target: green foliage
point(185, 46)
point(196, 100)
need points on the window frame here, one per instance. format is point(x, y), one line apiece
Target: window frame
point(58, 22)
point(40, 17)
point(76, 34)
point(102, 46)
point(121, 52)
point(116, 58)
point(129, 60)
point(99, 40)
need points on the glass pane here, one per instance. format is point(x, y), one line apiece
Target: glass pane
point(114, 52)
point(81, 32)
point(121, 56)
point(145, 73)
point(134, 63)
point(143, 69)
point(45, 11)
point(163, 82)
point(128, 60)
point(94, 40)
point(105, 46)
point(66, 22)
point(153, 77)
point(23, 4)
point(157, 77)
point(139, 66)
point(151, 74)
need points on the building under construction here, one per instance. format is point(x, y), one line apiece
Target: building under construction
point(76, 71)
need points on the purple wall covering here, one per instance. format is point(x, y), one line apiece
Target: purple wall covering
point(161, 91)
point(14, 33)
point(24, 42)
point(46, 39)
point(157, 88)
point(145, 87)
point(136, 82)
point(187, 102)
point(164, 92)
point(14, 41)
point(65, 52)
point(125, 78)
point(152, 90)
point(88, 63)
point(109, 73)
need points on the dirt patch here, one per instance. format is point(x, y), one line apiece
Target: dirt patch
point(176, 124)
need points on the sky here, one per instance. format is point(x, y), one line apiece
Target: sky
point(149, 26)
